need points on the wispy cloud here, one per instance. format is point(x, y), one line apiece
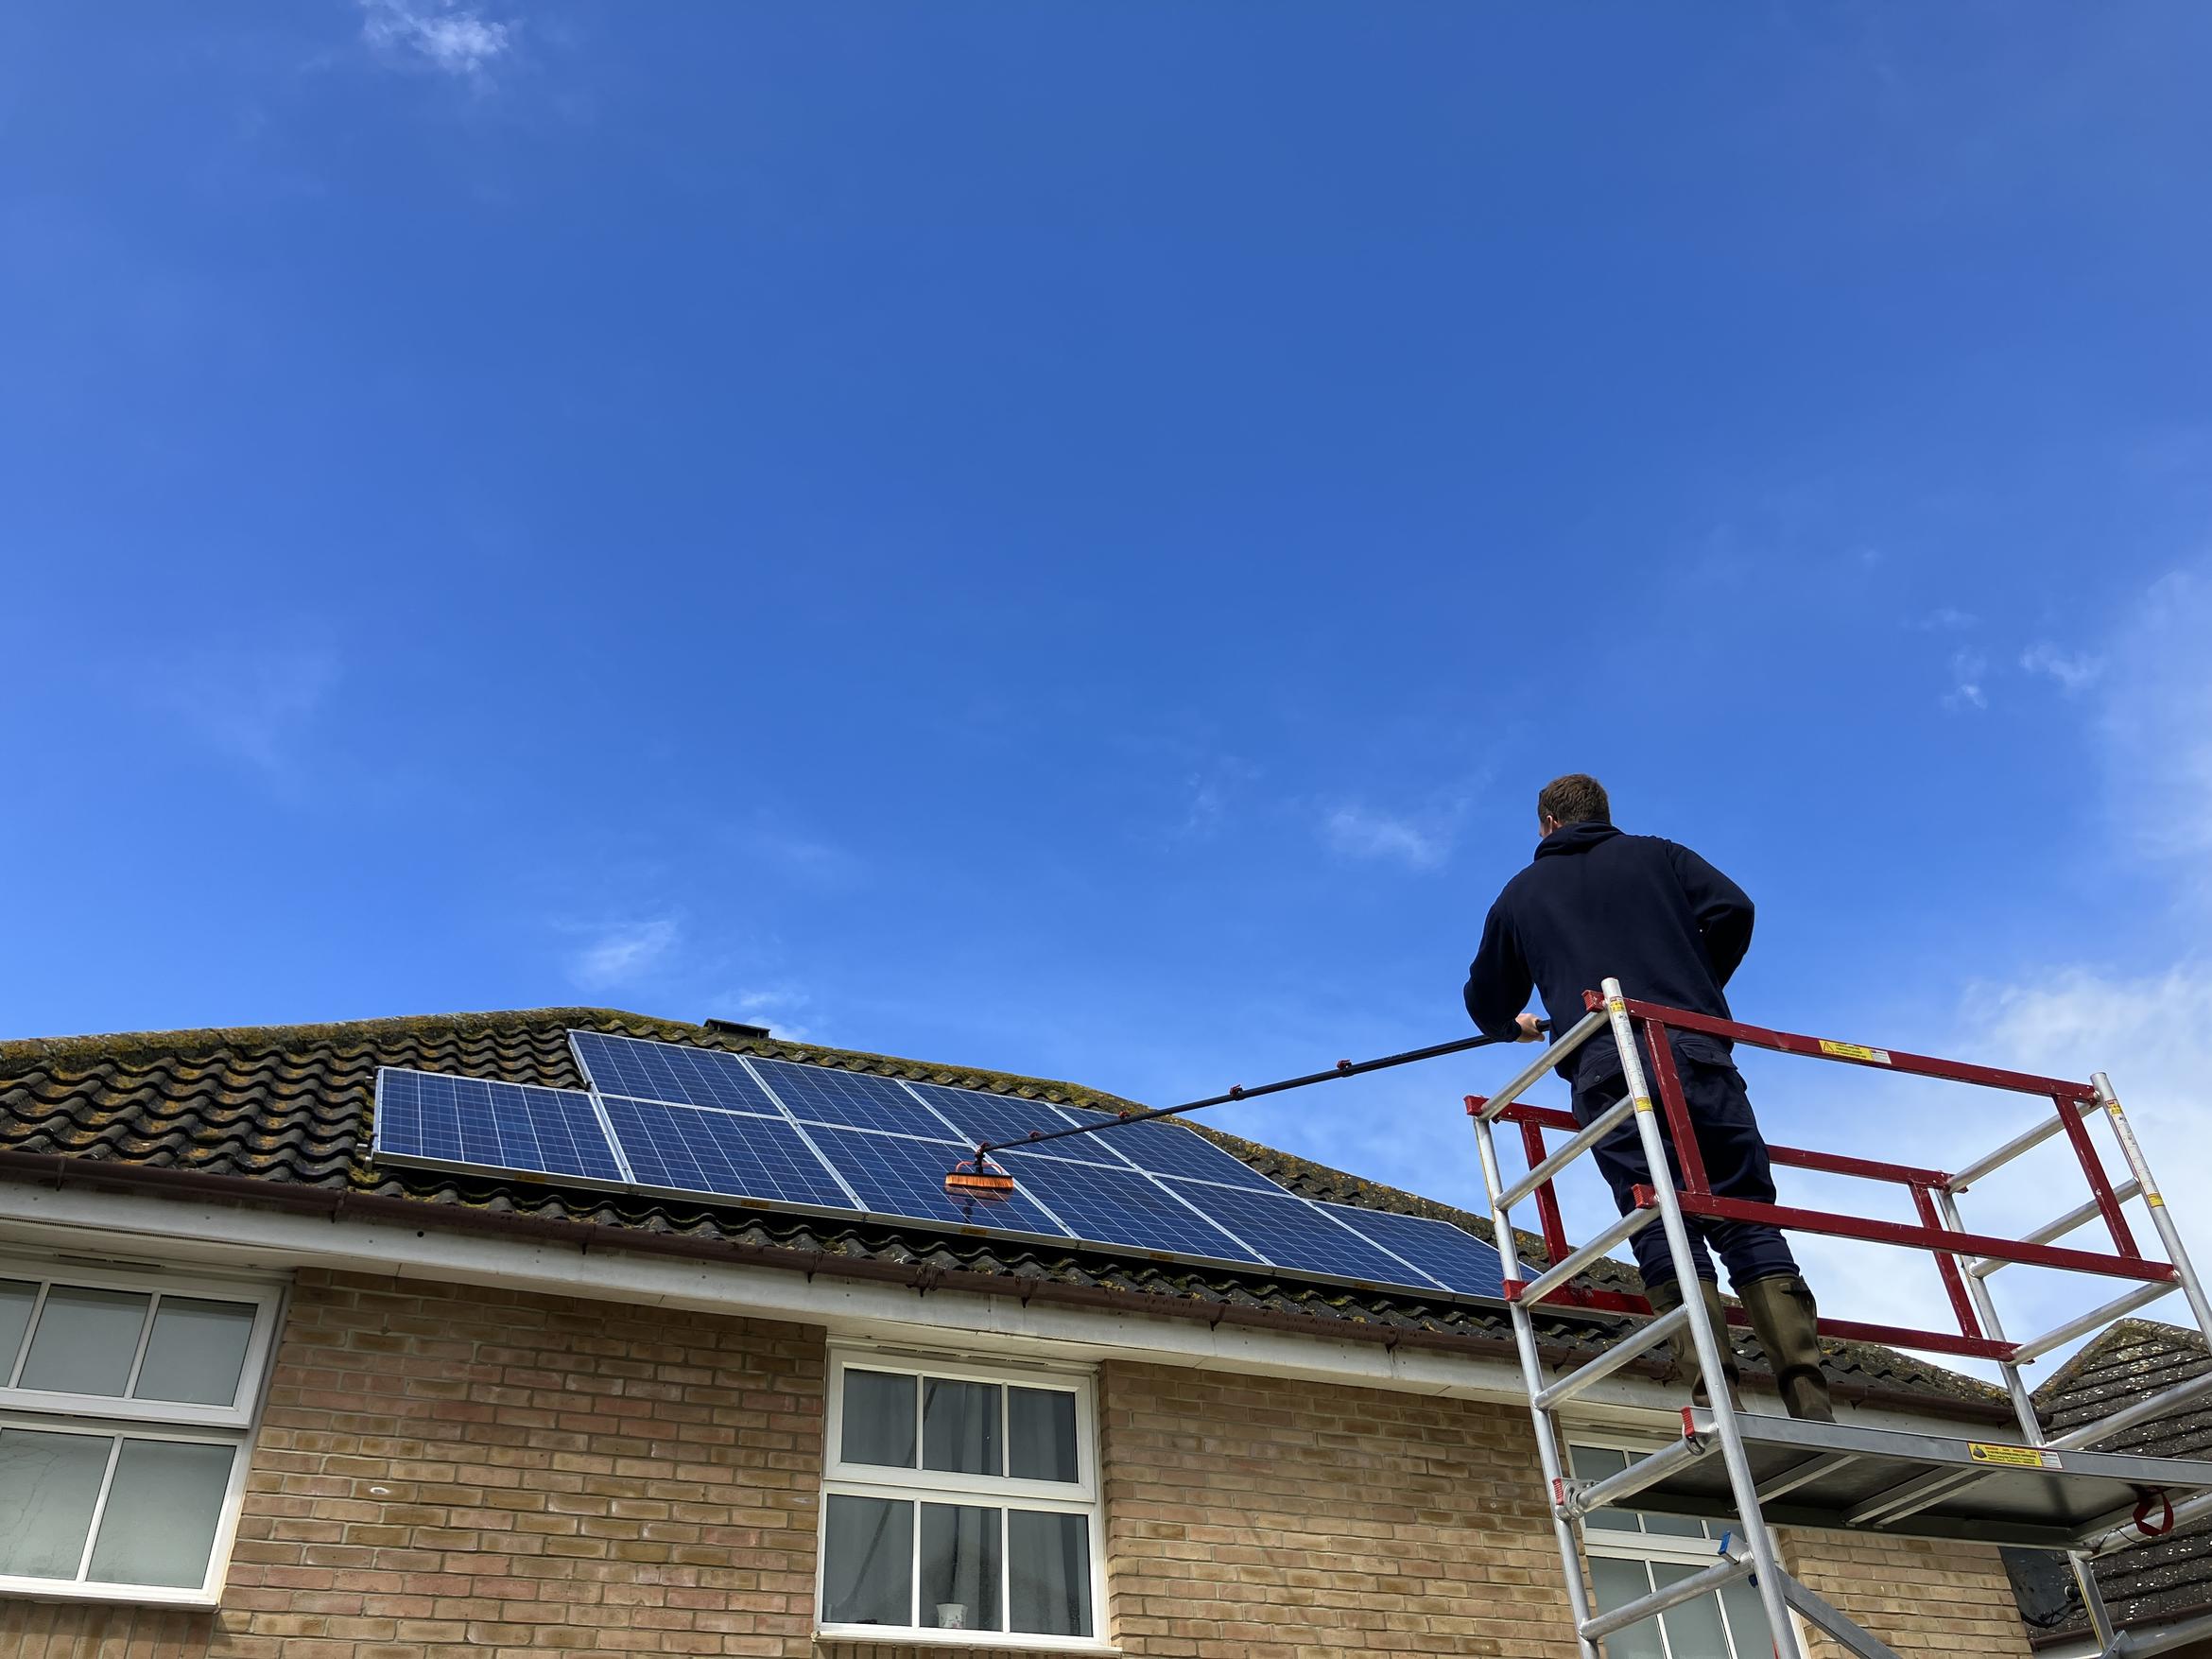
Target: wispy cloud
point(1420, 843)
point(2156, 709)
point(440, 35)
point(1969, 669)
point(2075, 671)
point(1943, 619)
point(254, 704)
point(624, 953)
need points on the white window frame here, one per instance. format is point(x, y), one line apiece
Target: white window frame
point(230, 1424)
point(1082, 1496)
point(1652, 1548)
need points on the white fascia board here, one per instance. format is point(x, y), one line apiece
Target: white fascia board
point(161, 1231)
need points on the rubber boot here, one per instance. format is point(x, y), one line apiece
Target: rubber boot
point(1665, 1298)
point(1784, 1316)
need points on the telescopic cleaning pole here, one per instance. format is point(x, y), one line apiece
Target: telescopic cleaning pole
point(979, 1177)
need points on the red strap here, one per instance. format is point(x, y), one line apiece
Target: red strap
point(2165, 1518)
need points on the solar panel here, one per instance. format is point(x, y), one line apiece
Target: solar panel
point(1456, 1257)
point(429, 1117)
point(895, 1175)
point(728, 1154)
point(1291, 1232)
point(819, 1138)
point(979, 1117)
point(1120, 1206)
point(1163, 1149)
point(819, 1093)
point(669, 1071)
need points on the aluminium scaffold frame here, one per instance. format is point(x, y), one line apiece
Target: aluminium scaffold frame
point(1940, 1472)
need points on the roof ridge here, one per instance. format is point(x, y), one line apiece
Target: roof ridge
point(199, 1040)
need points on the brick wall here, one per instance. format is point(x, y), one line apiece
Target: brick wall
point(1289, 1521)
point(1917, 1596)
point(555, 1476)
point(1280, 1520)
point(568, 1477)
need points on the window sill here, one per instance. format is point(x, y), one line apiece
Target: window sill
point(977, 1645)
point(106, 1595)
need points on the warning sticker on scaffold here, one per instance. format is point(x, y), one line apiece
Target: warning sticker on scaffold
point(2011, 1457)
point(1855, 1052)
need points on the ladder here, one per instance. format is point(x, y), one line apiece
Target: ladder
point(1755, 1470)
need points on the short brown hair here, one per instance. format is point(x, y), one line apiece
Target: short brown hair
point(1577, 798)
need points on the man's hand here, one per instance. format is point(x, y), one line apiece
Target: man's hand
point(1529, 1031)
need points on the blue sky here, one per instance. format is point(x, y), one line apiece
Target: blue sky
point(1065, 539)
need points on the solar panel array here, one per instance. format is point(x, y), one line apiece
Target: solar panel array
point(665, 1118)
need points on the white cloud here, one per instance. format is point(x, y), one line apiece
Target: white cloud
point(1361, 832)
point(1968, 669)
point(254, 704)
point(624, 953)
point(2075, 671)
point(441, 35)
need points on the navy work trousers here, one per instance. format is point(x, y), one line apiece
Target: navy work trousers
point(1735, 1164)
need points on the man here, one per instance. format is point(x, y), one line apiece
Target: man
point(1595, 904)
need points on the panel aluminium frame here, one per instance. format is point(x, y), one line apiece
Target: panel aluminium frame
point(1417, 1279)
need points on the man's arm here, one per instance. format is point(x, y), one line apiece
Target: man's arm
point(1498, 981)
point(1723, 910)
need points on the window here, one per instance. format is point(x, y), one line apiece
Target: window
point(126, 1407)
point(1633, 1554)
point(960, 1497)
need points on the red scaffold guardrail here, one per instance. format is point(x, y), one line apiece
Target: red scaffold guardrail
point(1929, 1187)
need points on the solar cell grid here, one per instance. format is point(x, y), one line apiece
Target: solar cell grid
point(1165, 1149)
point(819, 1093)
point(1462, 1262)
point(680, 1148)
point(1291, 1233)
point(670, 1072)
point(980, 1117)
point(1120, 1206)
point(896, 1176)
point(504, 1125)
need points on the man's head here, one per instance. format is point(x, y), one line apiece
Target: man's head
point(1577, 798)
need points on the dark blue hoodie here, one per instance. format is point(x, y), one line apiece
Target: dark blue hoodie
point(1595, 904)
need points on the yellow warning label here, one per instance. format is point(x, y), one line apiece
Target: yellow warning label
point(1643, 1102)
point(2155, 1200)
point(1855, 1052)
point(2011, 1457)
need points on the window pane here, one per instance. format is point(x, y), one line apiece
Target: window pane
point(1050, 1558)
point(1041, 1435)
point(879, 1419)
point(48, 1484)
point(868, 1562)
point(959, 1427)
point(159, 1523)
point(1747, 1620)
point(1693, 1630)
point(1616, 1583)
point(1595, 1463)
point(959, 1567)
point(86, 1341)
point(196, 1353)
point(1672, 1526)
point(16, 1297)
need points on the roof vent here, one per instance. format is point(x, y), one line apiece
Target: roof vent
point(736, 1028)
